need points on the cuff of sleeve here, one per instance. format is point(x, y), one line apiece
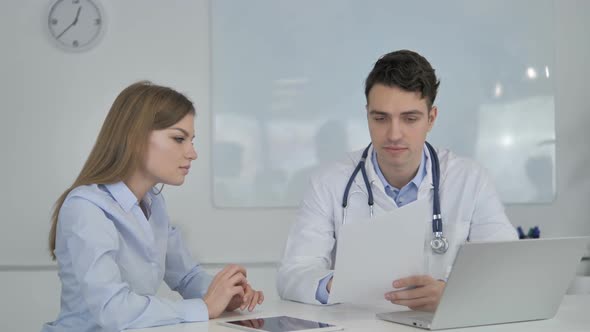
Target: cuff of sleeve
point(193, 310)
point(322, 292)
point(447, 274)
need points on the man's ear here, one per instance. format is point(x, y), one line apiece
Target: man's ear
point(432, 114)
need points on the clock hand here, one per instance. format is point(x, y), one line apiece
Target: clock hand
point(66, 29)
point(77, 15)
point(71, 24)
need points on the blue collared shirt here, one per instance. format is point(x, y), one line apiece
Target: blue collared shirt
point(409, 192)
point(112, 260)
point(403, 196)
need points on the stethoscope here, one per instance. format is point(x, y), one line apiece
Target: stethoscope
point(439, 243)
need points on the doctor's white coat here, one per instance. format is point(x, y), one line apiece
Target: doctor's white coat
point(470, 207)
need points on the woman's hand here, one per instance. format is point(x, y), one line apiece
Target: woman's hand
point(250, 299)
point(227, 284)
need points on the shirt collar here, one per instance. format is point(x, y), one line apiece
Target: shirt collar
point(123, 195)
point(417, 180)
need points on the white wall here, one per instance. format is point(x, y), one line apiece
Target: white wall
point(168, 42)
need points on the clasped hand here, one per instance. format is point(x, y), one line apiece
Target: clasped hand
point(229, 291)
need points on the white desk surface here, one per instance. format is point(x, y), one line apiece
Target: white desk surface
point(573, 315)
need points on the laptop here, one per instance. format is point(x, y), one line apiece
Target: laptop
point(502, 282)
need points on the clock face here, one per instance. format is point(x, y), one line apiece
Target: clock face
point(75, 25)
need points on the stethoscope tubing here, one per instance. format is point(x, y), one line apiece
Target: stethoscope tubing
point(439, 243)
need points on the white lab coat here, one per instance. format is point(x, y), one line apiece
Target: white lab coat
point(470, 207)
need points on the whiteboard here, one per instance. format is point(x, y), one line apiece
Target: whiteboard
point(288, 89)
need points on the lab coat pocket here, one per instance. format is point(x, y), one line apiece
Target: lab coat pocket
point(460, 231)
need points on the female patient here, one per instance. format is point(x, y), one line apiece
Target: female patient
point(111, 234)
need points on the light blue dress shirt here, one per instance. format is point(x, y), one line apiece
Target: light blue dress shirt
point(112, 260)
point(409, 192)
point(401, 197)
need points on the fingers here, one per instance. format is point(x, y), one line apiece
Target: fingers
point(226, 291)
point(409, 294)
point(232, 282)
point(237, 279)
point(424, 294)
point(231, 269)
point(237, 291)
point(253, 301)
point(227, 272)
point(252, 298)
point(433, 289)
point(416, 287)
point(419, 280)
point(423, 303)
point(248, 293)
point(256, 300)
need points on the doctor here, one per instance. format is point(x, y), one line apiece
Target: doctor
point(399, 168)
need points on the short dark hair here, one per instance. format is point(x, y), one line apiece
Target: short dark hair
point(406, 70)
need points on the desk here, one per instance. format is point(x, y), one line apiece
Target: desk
point(573, 315)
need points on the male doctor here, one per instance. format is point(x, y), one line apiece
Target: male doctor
point(400, 92)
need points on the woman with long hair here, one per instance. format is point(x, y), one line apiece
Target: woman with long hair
point(111, 235)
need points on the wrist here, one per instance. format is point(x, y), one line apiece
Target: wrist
point(208, 306)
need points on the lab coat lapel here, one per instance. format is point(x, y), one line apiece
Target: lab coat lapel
point(379, 196)
point(426, 187)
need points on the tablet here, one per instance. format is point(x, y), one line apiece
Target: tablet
point(280, 324)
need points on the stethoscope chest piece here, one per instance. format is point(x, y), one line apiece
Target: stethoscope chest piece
point(439, 244)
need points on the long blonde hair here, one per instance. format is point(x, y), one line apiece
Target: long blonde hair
point(121, 144)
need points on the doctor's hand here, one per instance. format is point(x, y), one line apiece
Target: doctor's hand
point(423, 294)
point(249, 300)
point(226, 284)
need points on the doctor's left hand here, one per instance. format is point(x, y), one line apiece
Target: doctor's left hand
point(423, 294)
point(250, 299)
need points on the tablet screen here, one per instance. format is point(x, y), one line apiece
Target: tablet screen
point(280, 324)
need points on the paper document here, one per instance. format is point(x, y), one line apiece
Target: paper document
point(370, 255)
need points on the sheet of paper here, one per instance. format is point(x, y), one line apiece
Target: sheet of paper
point(372, 254)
